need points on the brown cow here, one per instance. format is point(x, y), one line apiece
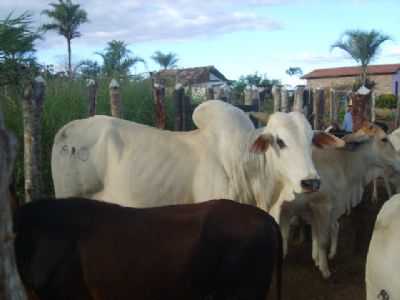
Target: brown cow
point(86, 249)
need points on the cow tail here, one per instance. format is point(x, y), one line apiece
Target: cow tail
point(279, 263)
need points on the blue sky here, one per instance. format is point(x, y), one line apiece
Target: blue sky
point(238, 37)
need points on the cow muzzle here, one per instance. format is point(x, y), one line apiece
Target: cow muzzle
point(310, 185)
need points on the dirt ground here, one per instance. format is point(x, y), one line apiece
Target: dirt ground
point(303, 281)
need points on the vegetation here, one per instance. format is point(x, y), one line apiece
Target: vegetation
point(292, 71)
point(89, 69)
point(66, 18)
point(362, 46)
point(386, 101)
point(252, 79)
point(118, 60)
point(66, 100)
point(17, 60)
point(166, 61)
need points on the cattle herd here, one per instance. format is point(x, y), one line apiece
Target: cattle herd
point(144, 213)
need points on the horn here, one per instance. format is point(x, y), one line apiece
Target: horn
point(356, 137)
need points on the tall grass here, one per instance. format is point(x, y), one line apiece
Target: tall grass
point(67, 100)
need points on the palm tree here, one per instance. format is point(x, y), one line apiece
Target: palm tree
point(166, 61)
point(17, 49)
point(362, 46)
point(118, 59)
point(66, 18)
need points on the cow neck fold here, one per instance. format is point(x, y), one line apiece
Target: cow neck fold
point(254, 180)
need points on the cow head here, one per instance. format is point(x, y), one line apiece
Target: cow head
point(287, 141)
point(381, 151)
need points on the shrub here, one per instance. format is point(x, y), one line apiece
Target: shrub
point(386, 101)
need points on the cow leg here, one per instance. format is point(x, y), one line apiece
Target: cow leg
point(314, 244)
point(334, 239)
point(285, 231)
point(320, 228)
point(287, 213)
point(387, 186)
point(374, 196)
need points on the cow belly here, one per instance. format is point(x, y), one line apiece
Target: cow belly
point(383, 263)
point(164, 182)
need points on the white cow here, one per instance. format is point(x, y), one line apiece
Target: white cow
point(391, 179)
point(135, 165)
point(344, 174)
point(383, 260)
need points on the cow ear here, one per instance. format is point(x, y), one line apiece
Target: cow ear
point(262, 143)
point(326, 140)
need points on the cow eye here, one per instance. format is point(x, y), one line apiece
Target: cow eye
point(280, 143)
point(385, 140)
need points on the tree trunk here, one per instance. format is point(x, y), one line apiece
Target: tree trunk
point(92, 97)
point(11, 287)
point(364, 75)
point(115, 99)
point(69, 59)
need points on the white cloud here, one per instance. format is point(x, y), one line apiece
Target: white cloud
point(391, 51)
point(320, 58)
point(140, 20)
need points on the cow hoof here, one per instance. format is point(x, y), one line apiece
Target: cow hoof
point(332, 255)
point(326, 274)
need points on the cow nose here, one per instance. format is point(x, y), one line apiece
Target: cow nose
point(310, 185)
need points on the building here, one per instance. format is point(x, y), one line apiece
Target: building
point(198, 79)
point(386, 78)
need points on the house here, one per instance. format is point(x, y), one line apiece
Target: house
point(386, 78)
point(197, 79)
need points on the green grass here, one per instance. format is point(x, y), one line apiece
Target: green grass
point(67, 100)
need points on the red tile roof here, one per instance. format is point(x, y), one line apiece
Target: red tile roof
point(191, 75)
point(352, 71)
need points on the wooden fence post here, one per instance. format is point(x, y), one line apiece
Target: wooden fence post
point(32, 107)
point(115, 99)
point(373, 103)
point(397, 120)
point(298, 99)
point(360, 107)
point(11, 287)
point(210, 93)
point(39, 89)
point(333, 107)
point(308, 104)
point(284, 100)
point(159, 101)
point(92, 97)
point(187, 113)
point(27, 110)
point(318, 97)
point(179, 95)
point(276, 94)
